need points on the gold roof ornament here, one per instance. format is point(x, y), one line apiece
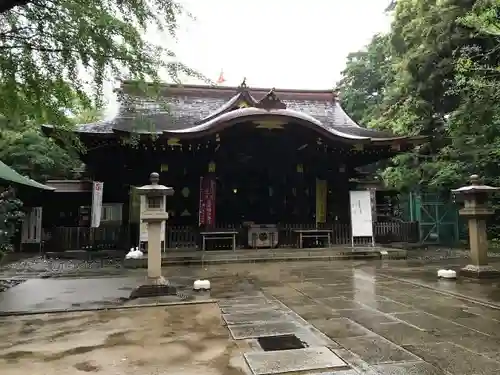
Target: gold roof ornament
point(270, 124)
point(174, 142)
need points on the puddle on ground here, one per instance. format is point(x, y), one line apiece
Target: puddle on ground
point(282, 342)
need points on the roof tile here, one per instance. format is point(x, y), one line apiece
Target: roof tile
point(181, 109)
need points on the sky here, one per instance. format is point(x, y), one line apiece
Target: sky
point(273, 43)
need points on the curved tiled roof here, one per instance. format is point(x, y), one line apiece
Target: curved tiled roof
point(194, 109)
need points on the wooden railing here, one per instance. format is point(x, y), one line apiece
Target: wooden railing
point(186, 237)
point(106, 237)
point(122, 237)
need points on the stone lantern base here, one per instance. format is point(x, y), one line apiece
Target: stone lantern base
point(154, 288)
point(479, 272)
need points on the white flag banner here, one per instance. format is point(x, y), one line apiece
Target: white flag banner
point(97, 188)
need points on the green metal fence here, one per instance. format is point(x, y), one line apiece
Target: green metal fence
point(437, 215)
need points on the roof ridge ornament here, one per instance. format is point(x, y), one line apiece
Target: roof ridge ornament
point(271, 101)
point(243, 85)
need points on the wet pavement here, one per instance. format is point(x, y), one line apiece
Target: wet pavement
point(385, 317)
point(61, 294)
point(76, 294)
point(356, 317)
point(177, 340)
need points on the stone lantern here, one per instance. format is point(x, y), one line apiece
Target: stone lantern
point(476, 210)
point(154, 216)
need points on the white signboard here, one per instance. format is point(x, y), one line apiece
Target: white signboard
point(361, 214)
point(97, 189)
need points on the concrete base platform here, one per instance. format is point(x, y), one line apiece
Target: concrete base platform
point(479, 272)
point(307, 359)
point(154, 290)
point(269, 255)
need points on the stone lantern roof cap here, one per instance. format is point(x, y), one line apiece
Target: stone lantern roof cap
point(475, 187)
point(154, 187)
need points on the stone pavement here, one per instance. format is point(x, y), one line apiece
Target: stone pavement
point(353, 317)
point(383, 317)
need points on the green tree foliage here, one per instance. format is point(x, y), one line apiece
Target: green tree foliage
point(33, 154)
point(56, 55)
point(485, 17)
point(7, 5)
point(52, 50)
point(365, 78)
point(436, 74)
point(10, 215)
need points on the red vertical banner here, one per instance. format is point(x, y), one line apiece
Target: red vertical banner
point(207, 201)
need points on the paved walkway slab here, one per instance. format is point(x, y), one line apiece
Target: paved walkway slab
point(255, 316)
point(293, 360)
point(253, 330)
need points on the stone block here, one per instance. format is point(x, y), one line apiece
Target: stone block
point(248, 331)
point(479, 272)
point(307, 359)
point(149, 290)
point(252, 317)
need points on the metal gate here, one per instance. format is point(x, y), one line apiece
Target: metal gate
point(437, 216)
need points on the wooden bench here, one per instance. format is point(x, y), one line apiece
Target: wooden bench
point(218, 236)
point(313, 233)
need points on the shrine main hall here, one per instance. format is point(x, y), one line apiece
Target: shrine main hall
point(235, 156)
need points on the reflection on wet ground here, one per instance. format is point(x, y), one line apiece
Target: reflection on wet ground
point(382, 312)
point(177, 340)
point(391, 317)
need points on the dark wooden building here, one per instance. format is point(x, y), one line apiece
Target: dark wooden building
point(234, 155)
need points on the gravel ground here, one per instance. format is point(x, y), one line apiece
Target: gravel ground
point(39, 265)
point(14, 273)
point(442, 254)
point(9, 283)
